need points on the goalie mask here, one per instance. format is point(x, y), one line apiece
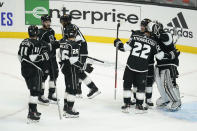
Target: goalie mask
point(155, 27)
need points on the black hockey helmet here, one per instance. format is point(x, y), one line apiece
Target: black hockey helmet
point(32, 31)
point(65, 19)
point(45, 18)
point(70, 31)
point(145, 22)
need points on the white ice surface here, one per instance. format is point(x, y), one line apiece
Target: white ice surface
point(101, 113)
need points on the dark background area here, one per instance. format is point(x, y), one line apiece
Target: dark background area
point(188, 4)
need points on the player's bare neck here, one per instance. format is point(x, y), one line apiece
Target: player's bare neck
point(147, 34)
point(35, 37)
point(72, 39)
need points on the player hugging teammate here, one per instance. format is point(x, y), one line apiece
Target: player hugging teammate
point(166, 71)
point(143, 45)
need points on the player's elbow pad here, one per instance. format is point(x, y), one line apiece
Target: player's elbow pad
point(127, 47)
point(74, 61)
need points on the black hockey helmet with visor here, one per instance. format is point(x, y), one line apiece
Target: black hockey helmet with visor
point(65, 19)
point(70, 31)
point(33, 31)
point(45, 18)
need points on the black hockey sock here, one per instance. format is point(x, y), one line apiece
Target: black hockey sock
point(134, 95)
point(127, 100)
point(51, 91)
point(65, 104)
point(42, 92)
point(32, 107)
point(140, 98)
point(70, 104)
point(148, 95)
point(139, 102)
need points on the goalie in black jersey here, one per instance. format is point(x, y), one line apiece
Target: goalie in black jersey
point(65, 20)
point(141, 47)
point(31, 57)
point(73, 69)
point(166, 71)
point(47, 34)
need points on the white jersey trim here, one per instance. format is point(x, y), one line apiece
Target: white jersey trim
point(166, 65)
point(136, 70)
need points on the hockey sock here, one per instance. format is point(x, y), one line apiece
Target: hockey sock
point(127, 96)
point(140, 98)
point(134, 92)
point(149, 92)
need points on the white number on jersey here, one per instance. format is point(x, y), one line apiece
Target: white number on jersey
point(140, 51)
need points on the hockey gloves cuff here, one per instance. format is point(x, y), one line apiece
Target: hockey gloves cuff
point(89, 68)
point(118, 43)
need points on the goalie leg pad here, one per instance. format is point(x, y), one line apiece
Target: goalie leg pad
point(171, 90)
point(160, 86)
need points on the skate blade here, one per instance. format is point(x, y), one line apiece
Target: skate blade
point(30, 121)
point(94, 95)
point(140, 111)
point(79, 96)
point(149, 107)
point(127, 111)
point(44, 104)
point(54, 102)
point(70, 116)
point(173, 109)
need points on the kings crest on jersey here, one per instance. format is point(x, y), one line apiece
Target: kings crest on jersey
point(70, 53)
point(141, 48)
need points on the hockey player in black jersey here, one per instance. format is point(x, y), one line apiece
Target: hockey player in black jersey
point(141, 47)
point(73, 69)
point(166, 71)
point(65, 20)
point(31, 56)
point(150, 75)
point(47, 34)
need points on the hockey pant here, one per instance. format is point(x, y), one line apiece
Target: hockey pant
point(149, 83)
point(134, 78)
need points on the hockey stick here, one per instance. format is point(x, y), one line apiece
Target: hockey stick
point(176, 34)
point(95, 59)
point(116, 63)
point(58, 104)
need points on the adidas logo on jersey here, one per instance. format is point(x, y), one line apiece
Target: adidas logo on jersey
point(180, 23)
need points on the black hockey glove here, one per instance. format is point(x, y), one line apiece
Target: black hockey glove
point(55, 44)
point(118, 43)
point(89, 68)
